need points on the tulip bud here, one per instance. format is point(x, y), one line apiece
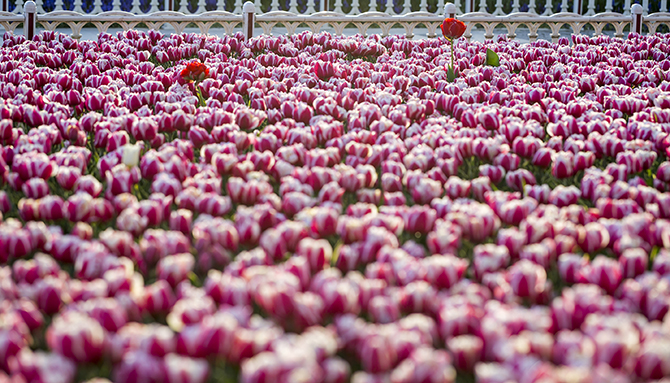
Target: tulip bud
point(495, 173)
point(377, 354)
point(317, 252)
point(139, 366)
point(652, 361)
point(661, 263)
point(175, 268)
point(663, 172)
point(513, 239)
point(571, 267)
point(384, 309)
point(573, 348)
point(526, 146)
point(593, 237)
point(507, 161)
point(445, 239)
point(335, 370)
point(159, 297)
point(489, 258)
point(426, 190)
point(457, 188)
point(527, 279)
point(467, 350)
point(181, 220)
point(633, 262)
point(419, 219)
point(480, 186)
point(11, 344)
point(564, 196)
point(517, 179)
point(543, 157)
point(458, 320)
point(77, 337)
point(425, 365)
point(35, 188)
point(513, 212)
point(538, 192)
point(40, 366)
point(605, 272)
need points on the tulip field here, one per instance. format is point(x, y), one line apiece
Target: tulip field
point(321, 209)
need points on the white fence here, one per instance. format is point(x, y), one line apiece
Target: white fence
point(347, 7)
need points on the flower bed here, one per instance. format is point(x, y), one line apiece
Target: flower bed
point(318, 209)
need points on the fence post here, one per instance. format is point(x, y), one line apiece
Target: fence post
point(249, 14)
point(449, 10)
point(30, 21)
point(5, 5)
point(636, 11)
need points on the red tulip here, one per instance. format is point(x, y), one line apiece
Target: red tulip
point(452, 29)
point(194, 71)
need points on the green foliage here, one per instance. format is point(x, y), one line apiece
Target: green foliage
point(492, 58)
point(451, 75)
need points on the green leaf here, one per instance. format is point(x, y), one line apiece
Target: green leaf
point(336, 253)
point(195, 281)
point(492, 58)
point(451, 75)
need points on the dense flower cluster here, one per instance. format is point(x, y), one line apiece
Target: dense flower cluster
point(335, 211)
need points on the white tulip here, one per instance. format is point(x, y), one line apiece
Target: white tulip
point(131, 155)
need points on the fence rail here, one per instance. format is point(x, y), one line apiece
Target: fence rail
point(635, 21)
point(347, 7)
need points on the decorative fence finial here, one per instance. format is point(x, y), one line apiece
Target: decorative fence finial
point(30, 13)
point(449, 10)
point(636, 10)
point(249, 11)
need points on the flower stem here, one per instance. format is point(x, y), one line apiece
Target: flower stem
point(201, 100)
point(452, 55)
